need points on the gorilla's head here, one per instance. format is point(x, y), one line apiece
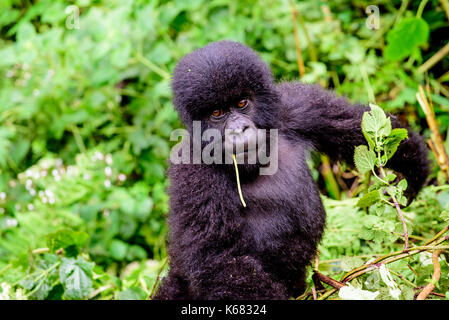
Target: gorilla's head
point(226, 86)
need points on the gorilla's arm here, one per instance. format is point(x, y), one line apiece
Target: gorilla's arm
point(333, 126)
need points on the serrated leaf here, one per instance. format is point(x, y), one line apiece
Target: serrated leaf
point(364, 159)
point(374, 121)
point(368, 199)
point(76, 277)
point(394, 140)
point(390, 177)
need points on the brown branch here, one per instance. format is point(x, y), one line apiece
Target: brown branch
point(437, 144)
point(391, 257)
point(401, 216)
point(328, 280)
point(435, 278)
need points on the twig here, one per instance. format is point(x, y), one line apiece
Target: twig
point(445, 5)
point(157, 277)
point(99, 290)
point(238, 181)
point(301, 67)
point(440, 54)
point(40, 250)
point(311, 46)
point(328, 280)
point(435, 278)
point(401, 216)
point(438, 144)
point(314, 294)
point(421, 7)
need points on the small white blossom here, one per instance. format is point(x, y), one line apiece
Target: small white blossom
point(30, 207)
point(11, 222)
point(108, 159)
point(4, 295)
point(12, 183)
point(108, 171)
point(385, 274)
point(49, 75)
point(107, 183)
point(2, 195)
point(351, 293)
point(32, 192)
point(99, 155)
point(49, 193)
point(122, 177)
point(28, 184)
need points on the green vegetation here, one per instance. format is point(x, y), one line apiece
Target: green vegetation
point(86, 116)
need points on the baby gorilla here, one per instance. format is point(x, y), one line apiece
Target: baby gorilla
point(220, 249)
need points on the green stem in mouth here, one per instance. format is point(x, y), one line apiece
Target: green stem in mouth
point(238, 181)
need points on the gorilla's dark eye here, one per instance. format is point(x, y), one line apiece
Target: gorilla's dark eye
point(218, 113)
point(242, 103)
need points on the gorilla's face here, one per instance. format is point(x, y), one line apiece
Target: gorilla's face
point(226, 86)
point(238, 130)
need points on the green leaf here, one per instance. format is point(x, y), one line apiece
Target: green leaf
point(390, 177)
point(76, 277)
point(118, 249)
point(445, 215)
point(405, 37)
point(402, 184)
point(393, 141)
point(67, 239)
point(375, 121)
point(368, 199)
point(364, 159)
point(133, 293)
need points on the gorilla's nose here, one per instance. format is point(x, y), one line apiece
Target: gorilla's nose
point(239, 130)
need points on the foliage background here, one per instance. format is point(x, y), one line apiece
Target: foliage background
point(86, 115)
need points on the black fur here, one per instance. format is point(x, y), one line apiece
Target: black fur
point(217, 248)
